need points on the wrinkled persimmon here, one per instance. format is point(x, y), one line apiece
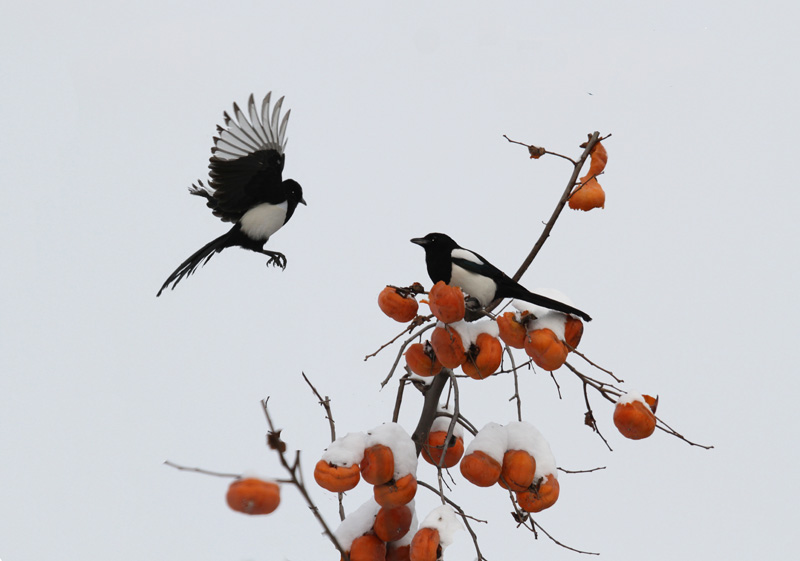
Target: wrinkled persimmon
point(336, 479)
point(399, 307)
point(546, 350)
point(483, 358)
point(446, 302)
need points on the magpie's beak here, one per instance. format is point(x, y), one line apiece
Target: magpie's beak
point(419, 241)
point(302, 200)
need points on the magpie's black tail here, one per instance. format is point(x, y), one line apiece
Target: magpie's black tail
point(200, 257)
point(514, 290)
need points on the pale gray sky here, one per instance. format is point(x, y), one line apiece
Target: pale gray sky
point(397, 120)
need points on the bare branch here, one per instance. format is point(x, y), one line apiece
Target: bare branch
point(274, 441)
point(201, 470)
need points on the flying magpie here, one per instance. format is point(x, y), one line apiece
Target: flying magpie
point(245, 185)
point(449, 262)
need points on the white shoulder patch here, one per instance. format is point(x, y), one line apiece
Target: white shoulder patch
point(465, 254)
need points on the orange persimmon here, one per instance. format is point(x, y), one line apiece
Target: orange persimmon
point(368, 548)
point(396, 492)
point(446, 302)
point(392, 523)
point(483, 358)
point(421, 359)
point(480, 469)
point(336, 479)
point(425, 545)
point(587, 195)
point(398, 552)
point(546, 350)
point(447, 345)
point(512, 332)
point(377, 466)
point(598, 160)
point(397, 306)
point(635, 420)
point(573, 331)
point(253, 496)
point(541, 497)
point(432, 451)
point(517, 471)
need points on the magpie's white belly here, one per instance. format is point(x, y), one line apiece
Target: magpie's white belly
point(261, 221)
point(477, 286)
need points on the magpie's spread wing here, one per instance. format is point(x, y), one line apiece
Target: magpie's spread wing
point(247, 161)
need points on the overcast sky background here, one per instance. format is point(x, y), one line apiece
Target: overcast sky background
point(397, 119)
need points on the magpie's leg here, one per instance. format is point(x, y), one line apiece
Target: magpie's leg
point(275, 258)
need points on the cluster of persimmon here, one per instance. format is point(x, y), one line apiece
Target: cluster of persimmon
point(251, 495)
point(634, 415)
point(516, 457)
point(375, 533)
point(546, 336)
point(588, 194)
point(384, 457)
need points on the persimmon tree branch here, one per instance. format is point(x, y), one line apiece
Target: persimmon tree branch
point(326, 404)
point(275, 442)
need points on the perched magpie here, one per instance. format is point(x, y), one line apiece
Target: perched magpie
point(245, 185)
point(449, 262)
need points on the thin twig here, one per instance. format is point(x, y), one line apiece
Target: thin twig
point(201, 470)
point(581, 470)
point(275, 442)
point(584, 357)
point(326, 404)
point(400, 352)
point(464, 516)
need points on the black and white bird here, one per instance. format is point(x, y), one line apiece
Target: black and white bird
point(245, 185)
point(449, 262)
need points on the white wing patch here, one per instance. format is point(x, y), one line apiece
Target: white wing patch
point(477, 286)
point(263, 220)
point(466, 255)
point(240, 136)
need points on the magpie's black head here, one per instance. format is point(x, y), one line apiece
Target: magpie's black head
point(436, 242)
point(294, 193)
point(437, 255)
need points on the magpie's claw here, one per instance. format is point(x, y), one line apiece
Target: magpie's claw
point(277, 259)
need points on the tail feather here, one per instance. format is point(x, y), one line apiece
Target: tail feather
point(198, 258)
point(515, 290)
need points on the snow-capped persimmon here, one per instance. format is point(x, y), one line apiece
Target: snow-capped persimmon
point(480, 469)
point(421, 359)
point(483, 358)
point(517, 471)
point(573, 331)
point(446, 302)
point(448, 346)
point(432, 451)
point(546, 350)
point(540, 497)
point(253, 496)
point(336, 479)
point(587, 195)
point(634, 418)
point(512, 332)
point(377, 466)
point(396, 492)
point(392, 523)
point(425, 545)
point(368, 548)
point(399, 307)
